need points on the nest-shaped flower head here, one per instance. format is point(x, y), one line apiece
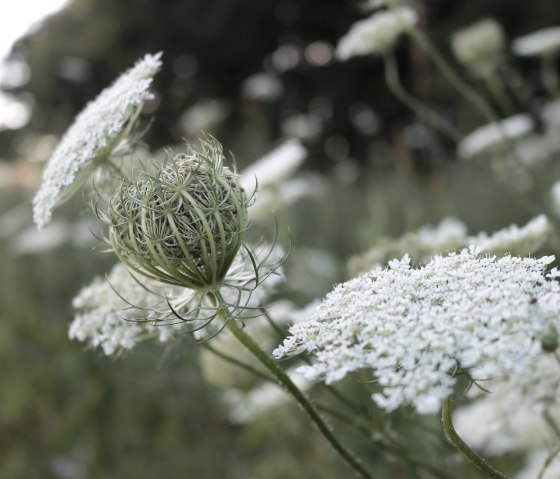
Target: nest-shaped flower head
point(183, 224)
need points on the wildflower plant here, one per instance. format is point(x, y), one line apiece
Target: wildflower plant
point(94, 137)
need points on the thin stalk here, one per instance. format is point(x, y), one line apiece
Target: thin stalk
point(547, 462)
point(420, 109)
point(237, 362)
point(285, 381)
point(550, 74)
point(462, 446)
point(334, 392)
point(496, 88)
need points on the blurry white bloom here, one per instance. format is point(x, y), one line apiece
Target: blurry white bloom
point(420, 245)
point(555, 197)
point(245, 407)
point(275, 167)
point(95, 133)
point(515, 240)
point(376, 34)
point(542, 43)
point(491, 424)
point(480, 45)
point(303, 126)
point(262, 87)
point(416, 328)
point(493, 135)
point(108, 320)
point(534, 466)
point(117, 313)
point(204, 115)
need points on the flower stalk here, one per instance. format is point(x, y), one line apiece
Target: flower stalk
point(462, 446)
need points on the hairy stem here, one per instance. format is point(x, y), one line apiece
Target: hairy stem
point(463, 447)
point(285, 381)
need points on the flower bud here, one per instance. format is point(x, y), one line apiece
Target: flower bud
point(184, 224)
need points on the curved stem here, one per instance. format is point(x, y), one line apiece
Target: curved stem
point(423, 111)
point(462, 446)
point(550, 74)
point(285, 381)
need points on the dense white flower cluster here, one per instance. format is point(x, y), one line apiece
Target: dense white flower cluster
point(491, 424)
point(96, 131)
point(117, 313)
point(515, 240)
point(495, 135)
point(449, 235)
point(417, 328)
point(480, 45)
point(376, 34)
point(542, 43)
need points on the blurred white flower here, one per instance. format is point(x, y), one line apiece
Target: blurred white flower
point(203, 116)
point(416, 328)
point(245, 407)
point(542, 43)
point(492, 425)
point(262, 86)
point(535, 464)
point(555, 197)
point(421, 245)
point(93, 136)
point(495, 135)
point(515, 240)
point(480, 45)
point(275, 167)
point(376, 34)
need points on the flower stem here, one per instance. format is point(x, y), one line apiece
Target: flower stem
point(462, 446)
point(419, 108)
point(293, 390)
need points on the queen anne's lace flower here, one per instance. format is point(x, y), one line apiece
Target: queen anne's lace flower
point(376, 34)
point(96, 131)
point(541, 43)
point(417, 328)
point(480, 45)
point(495, 135)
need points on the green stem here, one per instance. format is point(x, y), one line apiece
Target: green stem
point(462, 446)
point(496, 88)
point(421, 110)
point(550, 74)
point(285, 381)
point(547, 462)
point(237, 362)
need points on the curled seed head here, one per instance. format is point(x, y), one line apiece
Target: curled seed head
point(183, 224)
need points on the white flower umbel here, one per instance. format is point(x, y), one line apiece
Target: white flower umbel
point(118, 312)
point(515, 240)
point(495, 135)
point(416, 329)
point(479, 46)
point(95, 133)
point(376, 34)
point(107, 319)
point(449, 235)
point(542, 43)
